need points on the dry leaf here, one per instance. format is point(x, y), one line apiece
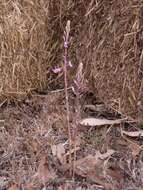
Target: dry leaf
point(98, 122)
point(87, 165)
point(30, 187)
point(92, 167)
point(132, 145)
point(59, 151)
point(133, 133)
point(32, 144)
point(44, 174)
point(13, 187)
point(135, 148)
point(106, 155)
point(117, 177)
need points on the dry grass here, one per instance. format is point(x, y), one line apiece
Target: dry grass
point(112, 47)
point(24, 46)
point(106, 37)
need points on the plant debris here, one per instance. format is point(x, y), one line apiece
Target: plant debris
point(98, 122)
point(133, 133)
point(35, 150)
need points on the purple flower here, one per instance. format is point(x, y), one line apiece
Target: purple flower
point(65, 44)
point(57, 70)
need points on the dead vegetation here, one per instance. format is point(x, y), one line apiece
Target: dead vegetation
point(34, 149)
point(24, 47)
point(113, 35)
point(87, 133)
point(106, 37)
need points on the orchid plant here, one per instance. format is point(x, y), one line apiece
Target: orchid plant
point(65, 66)
point(78, 87)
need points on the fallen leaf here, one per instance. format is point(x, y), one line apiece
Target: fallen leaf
point(132, 145)
point(136, 149)
point(85, 166)
point(44, 173)
point(90, 164)
point(13, 187)
point(92, 167)
point(29, 187)
point(98, 122)
point(133, 133)
point(32, 144)
point(59, 151)
point(116, 176)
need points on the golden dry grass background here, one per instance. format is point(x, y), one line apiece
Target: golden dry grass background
point(24, 46)
point(107, 36)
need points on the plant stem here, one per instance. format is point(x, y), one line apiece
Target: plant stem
point(67, 100)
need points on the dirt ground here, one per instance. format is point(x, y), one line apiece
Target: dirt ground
point(35, 153)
